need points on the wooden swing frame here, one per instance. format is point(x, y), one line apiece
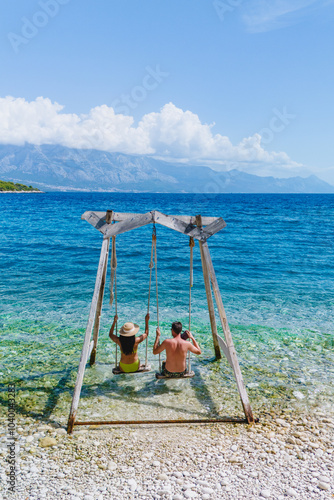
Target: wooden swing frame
point(197, 227)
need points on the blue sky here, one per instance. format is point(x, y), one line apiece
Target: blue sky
point(230, 83)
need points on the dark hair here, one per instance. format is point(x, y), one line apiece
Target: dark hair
point(177, 327)
point(127, 344)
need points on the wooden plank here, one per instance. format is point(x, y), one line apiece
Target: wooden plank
point(214, 227)
point(95, 220)
point(120, 216)
point(232, 420)
point(96, 330)
point(91, 345)
point(186, 375)
point(210, 306)
point(228, 337)
point(225, 349)
point(141, 369)
point(86, 344)
point(177, 224)
point(128, 224)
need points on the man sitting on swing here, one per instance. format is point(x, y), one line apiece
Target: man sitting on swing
point(176, 351)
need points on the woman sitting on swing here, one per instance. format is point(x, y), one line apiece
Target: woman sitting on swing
point(128, 344)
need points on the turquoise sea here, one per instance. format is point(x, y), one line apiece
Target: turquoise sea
point(275, 267)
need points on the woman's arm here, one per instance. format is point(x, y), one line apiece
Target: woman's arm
point(145, 334)
point(113, 337)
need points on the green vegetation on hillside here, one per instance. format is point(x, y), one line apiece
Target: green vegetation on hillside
point(10, 186)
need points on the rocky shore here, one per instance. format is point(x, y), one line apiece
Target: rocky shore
point(283, 456)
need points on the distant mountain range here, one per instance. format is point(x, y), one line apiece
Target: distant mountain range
point(58, 168)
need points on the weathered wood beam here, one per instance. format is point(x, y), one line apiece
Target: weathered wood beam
point(228, 337)
point(223, 346)
point(214, 227)
point(210, 306)
point(87, 343)
point(95, 220)
point(128, 224)
point(231, 420)
point(91, 345)
point(173, 223)
point(120, 216)
point(96, 330)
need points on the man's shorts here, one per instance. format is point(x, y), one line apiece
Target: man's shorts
point(168, 374)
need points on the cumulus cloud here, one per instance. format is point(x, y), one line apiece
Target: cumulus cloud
point(171, 134)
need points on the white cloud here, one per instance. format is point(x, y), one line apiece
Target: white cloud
point(171, 134)
point(266, 15)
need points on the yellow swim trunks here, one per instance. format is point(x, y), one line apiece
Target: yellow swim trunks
point(131, 367)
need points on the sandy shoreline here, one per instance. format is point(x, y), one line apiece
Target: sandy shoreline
point(284, 456)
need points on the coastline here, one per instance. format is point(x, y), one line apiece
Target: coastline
point(284, 455)
point(19, 192)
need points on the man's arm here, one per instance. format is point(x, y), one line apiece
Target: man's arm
point(158, 348)
point(145, 334)
point(113, 337)
point(194, 347)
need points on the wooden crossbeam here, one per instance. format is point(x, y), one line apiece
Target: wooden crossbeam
point(120, 216)
point(134, 222)
point(187, 225)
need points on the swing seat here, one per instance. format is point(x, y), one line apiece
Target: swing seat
point(186, 375)
point(142, 368)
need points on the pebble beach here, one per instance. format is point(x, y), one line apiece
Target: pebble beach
point(285, 456)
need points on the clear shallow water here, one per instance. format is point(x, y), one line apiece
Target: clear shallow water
point(274, 263)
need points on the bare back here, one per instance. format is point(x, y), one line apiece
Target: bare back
point(176, 353)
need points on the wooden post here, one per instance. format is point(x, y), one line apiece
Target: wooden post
point(210, 305)
point(87, 342)
point(228, 337)
point(98, 311)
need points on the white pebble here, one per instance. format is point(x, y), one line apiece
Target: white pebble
point(190, 494)
point(254, 474)
point(291, 492)
point(234, 447)
point(162, 477)
point(177, 474)
point(164, 491)
point(282, 422)
point(207, 491)
point(156, 463)
point(178, 497)
point(133, 484)
point(323, 486)
point(265, 494)
point(324, 479)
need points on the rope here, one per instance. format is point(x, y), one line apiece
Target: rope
point(154, 263)
point(191, 282)
point(151, 265)
point(113, 266)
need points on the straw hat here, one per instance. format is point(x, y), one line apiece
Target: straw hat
point(128, 329)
